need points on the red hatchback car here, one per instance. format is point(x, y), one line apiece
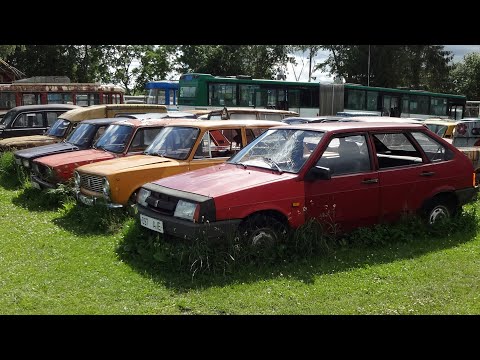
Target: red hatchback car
point(351, 174)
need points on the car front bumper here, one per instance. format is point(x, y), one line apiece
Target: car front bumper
point(189, 230)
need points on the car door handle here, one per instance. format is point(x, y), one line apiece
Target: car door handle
point(370, 181)
point(427, 173)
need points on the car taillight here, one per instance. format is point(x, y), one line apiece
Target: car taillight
point(474, 179)
point(196, 214)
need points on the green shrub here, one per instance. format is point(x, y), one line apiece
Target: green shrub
point(11, 175)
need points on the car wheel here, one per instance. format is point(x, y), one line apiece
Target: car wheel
point(438, 210)
point(132, 205)
point(262, 231)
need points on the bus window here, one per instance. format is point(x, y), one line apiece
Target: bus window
point(30, 99)
point(59, 98)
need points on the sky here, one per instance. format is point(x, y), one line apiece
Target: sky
point(300, 73)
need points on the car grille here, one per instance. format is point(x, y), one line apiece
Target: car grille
point(43, 172)
point(91, 182)
point(162, 203)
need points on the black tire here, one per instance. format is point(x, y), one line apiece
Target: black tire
point(437, 209)
point(132, 205)
point(261, 230)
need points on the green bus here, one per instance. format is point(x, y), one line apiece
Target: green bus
point(204, 91)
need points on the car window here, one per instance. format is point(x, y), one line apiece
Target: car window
point(346, 155)
point(143, 138)
point(434, 150)
point(52, 116)
point(219, 143)
point(395, 149)
point(28, 120)
point(252, 134)
point(275, 117)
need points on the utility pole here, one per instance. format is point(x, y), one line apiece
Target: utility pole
point(368, 76)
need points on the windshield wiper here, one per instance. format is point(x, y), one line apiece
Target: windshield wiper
point(272, 162)
point(242, 164)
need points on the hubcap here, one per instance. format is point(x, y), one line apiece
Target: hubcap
point(437, 214)
point(263, 237)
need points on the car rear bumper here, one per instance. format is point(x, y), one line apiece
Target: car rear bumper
point(466, 195)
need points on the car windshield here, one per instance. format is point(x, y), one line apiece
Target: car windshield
point(280, 149)
point(115, 138)
point(82, 135)
point(438, 129)
point(174, 142)
point(59, 128)
point(7, 118)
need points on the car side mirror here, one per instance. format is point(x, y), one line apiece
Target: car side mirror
point(318, 173)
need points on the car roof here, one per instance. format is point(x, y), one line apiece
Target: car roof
point(44, 107)
point(385, 119)
point(226, 124)
point(142, 123)
point(168, 114)
point(103, 121)
point(315, 119)
point(354, 126)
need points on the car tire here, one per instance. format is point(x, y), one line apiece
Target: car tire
point(438, 209)
point(261, 230)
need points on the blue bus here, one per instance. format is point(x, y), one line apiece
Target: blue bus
point(162, 92)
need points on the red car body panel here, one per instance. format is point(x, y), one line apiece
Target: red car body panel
point(350, 200)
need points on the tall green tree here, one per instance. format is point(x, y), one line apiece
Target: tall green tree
point(414, 66)
point(156, 64)
point(259, 61)
point(132, 65)
point(6, 50)
point(79, 62)
point(465, 76)
point(311, 51)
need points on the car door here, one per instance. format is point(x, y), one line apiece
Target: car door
point(404, 174)
point(351, 197)
point(215, 147)
point(26, 124)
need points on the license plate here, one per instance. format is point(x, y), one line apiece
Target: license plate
point(152, 224)
point(36, 185)
point(85, 200)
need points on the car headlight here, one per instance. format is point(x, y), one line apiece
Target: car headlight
point(18, 161)
point(49, 172)
point(142, 196)
point(26, 163)
point(76, 178)
point(185, 210)
point(106, 188)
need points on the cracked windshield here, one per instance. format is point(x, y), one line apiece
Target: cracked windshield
point(282, 150)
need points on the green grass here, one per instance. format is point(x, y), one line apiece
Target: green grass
point(59, 258)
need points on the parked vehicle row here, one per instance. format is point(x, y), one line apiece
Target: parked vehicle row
point(252, 178)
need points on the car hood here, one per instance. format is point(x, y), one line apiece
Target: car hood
point(222, 179)
point(115, 166)
point(44, 150)
point(76, 157)
point(33, 140)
